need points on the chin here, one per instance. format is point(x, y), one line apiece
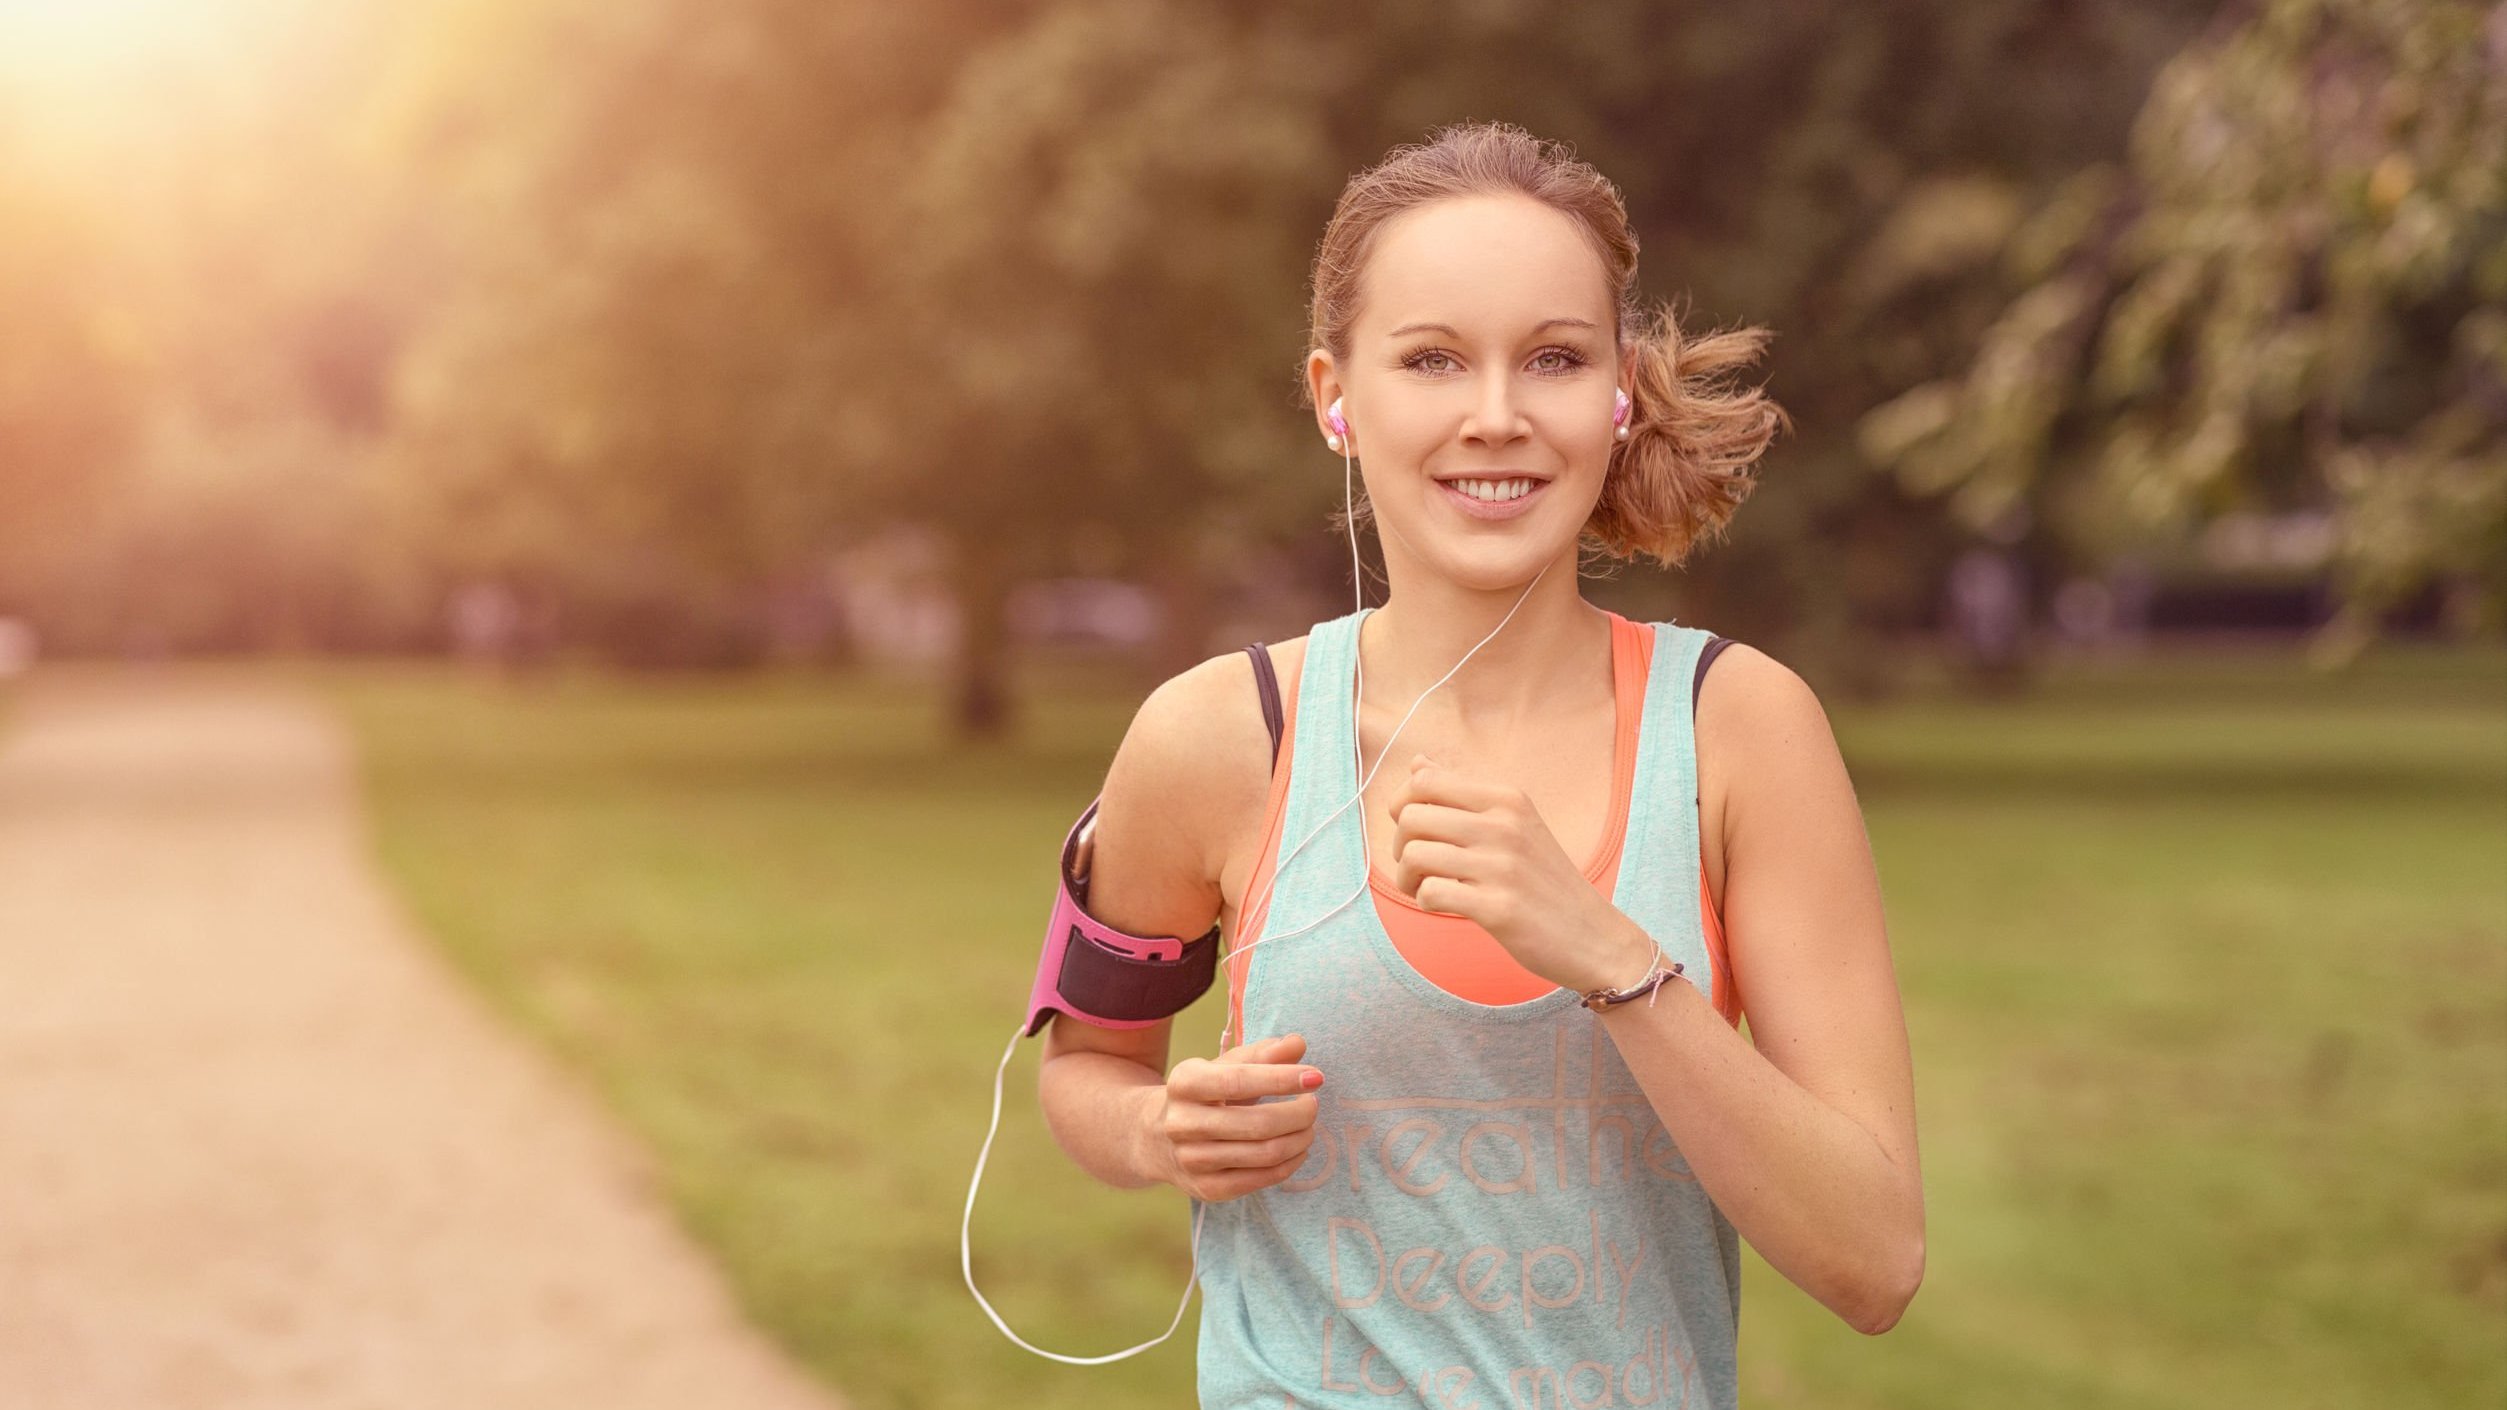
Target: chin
point(1493, 567)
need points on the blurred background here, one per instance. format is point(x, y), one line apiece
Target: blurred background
point(731, 470)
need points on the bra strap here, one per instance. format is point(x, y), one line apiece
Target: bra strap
point(1268, 681)
point(1705, 656)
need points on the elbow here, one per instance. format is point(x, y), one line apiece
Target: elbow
point(1886, 1295)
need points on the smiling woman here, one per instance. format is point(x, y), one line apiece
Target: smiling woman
point(1410, 1180)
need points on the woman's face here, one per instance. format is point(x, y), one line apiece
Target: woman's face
point(1483, 351)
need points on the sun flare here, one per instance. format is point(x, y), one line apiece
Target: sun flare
point(71, 65)
point(60, 40)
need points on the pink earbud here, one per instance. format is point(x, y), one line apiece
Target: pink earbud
point(1619, 415)
point(1333, 416)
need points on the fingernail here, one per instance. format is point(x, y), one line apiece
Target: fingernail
point(1310, 1079)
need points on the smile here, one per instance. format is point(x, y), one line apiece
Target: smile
point(1496, 499)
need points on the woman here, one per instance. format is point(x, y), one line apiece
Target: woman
point(1525, 1177)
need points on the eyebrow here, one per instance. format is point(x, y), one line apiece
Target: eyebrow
point(1451, 332)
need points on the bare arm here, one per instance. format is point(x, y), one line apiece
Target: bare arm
point(1153, 870)
point(1804, 1133)
point(1101, 1089)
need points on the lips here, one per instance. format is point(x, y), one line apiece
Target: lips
point(1499, 475)
point(1493, 508)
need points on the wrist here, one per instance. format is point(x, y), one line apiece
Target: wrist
point(1153, 1157)
point(1625, 958)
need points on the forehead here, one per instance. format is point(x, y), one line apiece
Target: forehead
point(1491, 265)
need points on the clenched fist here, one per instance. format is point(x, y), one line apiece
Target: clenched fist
point(1216, 1138)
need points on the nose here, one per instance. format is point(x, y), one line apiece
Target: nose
point(1495, 418)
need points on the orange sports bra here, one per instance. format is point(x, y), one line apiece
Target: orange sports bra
point(1454, 952)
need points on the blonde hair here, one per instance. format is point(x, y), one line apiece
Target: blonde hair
point(1694, 437)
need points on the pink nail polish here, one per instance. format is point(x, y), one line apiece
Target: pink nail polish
point(1311, 1080)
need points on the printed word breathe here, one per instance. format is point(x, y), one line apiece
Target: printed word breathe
point(1424, 1144)
point(1551, 1276)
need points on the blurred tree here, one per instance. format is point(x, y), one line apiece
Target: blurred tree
point(727, 282)
point(67, 357)
point(1119, 279)
point(644, 304)
point(208, 314)
point(654, 378)
point(1100, 269)
point(2292, 293)
point(1824, 171)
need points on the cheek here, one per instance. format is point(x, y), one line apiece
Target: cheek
point(1404, 440)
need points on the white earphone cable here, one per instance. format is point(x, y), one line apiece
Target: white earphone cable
point(966, 1255)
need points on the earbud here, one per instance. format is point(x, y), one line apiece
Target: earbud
point(1619, 415)
point(1332, 415)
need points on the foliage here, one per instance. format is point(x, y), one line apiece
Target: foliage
point(2292, 293)
point(66, 393)
point(641, 307)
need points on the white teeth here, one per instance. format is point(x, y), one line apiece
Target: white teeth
point(1493, 489)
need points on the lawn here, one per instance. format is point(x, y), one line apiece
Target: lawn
point(2205, 964)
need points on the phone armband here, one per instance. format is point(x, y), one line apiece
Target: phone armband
point(1096, 973)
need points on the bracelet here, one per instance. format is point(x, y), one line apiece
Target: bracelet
point(1599, 999)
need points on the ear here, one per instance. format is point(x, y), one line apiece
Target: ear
point(1324, 382)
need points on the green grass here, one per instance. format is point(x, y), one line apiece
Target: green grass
point(2205, 964)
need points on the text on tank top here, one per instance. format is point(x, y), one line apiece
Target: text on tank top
point(1491, 1211)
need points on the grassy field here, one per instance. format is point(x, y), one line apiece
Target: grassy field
point(2205, 965)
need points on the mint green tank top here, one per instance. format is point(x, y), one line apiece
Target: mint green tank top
point(1491, 1214)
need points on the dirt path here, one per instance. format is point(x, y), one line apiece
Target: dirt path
point(258, 1147)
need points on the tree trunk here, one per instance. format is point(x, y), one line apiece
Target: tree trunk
point(982, 706)
point(1188, 601)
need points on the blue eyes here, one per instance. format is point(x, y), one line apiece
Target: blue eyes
point(1571, 359)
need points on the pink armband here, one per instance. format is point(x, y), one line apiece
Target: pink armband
point(1097, 974)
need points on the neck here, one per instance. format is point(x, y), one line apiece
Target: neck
point(1548, 647)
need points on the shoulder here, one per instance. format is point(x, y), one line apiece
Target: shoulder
point(1751, 704)
point(1191, 725)
point(1746, 687)
point(1194, 761)
point(1765, 729)
point(1203, 729)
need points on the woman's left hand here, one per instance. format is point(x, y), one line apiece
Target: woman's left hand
point(1472, 847)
